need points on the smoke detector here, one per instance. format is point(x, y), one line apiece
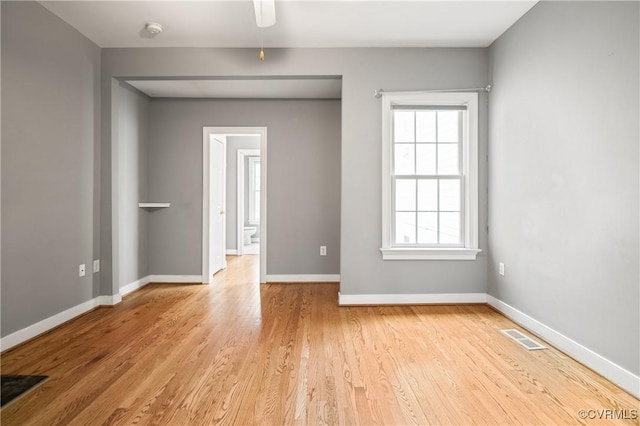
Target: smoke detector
point(153, 28)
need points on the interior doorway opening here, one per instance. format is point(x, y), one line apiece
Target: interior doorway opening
point(217, 233)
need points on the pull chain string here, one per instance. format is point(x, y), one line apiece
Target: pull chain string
point(261, 33)
point(262, 44)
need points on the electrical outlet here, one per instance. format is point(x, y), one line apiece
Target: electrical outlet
point(323, 250)
point(81, 270)
point(501, 268)
point(96, 266)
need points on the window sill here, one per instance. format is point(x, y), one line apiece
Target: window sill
point(429, 253)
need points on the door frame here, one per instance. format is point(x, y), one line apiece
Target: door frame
point(206, 229)
point(217, 138)
point(242, 154)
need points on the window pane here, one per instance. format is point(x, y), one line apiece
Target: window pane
point(404, 160)
point(448, 159)
point(405, 194)
point(426, 126)
point(405, 228)
point(256, 205)
point(427, 228)
point(448, 126)
point(450, 195)
point(428, 195)
point(426, 160)
point(403, 126)
point(450, 228)
point(256, 175)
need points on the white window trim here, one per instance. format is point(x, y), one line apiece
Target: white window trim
point(252, 191)
point(469, 170)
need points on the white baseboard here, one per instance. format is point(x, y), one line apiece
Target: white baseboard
point(138, 284)
point(46, 324)
point(109, 300)
point(231, 251)
point(410, 299)
point(306, 278)
point(613, 372)
point(135, 285)
point(176, 278)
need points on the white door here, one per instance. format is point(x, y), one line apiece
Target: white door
point(218, 204)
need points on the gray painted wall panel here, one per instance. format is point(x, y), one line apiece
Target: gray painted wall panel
point(133, 185)
point(50, 100)
point(564, 173)
point(363, 70)
point(303, 183)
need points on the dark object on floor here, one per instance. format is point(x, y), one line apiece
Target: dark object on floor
point(13, 386)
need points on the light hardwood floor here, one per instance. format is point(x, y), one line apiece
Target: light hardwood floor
point(239, 353)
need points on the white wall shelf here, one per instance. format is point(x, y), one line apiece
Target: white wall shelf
point(154, 205)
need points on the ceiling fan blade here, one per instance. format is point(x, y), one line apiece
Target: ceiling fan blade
point(265, 12)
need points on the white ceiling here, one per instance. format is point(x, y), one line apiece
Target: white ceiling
point(324, 88)
point(300, 23)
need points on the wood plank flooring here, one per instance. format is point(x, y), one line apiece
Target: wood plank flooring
point(239, 353)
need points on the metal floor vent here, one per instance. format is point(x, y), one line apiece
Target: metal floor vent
point(523, 339)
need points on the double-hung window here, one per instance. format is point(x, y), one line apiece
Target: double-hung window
point(430, 176)
point(254, 190)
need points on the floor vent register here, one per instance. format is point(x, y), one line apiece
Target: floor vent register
point(523, 339)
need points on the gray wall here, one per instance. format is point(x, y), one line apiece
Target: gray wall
point(133, 234)
point(363, 70)
point(234, 143)
point(50, 128)
point(564, 173)
point(303, 182)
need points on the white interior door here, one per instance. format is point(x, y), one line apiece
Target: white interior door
point(218, 203)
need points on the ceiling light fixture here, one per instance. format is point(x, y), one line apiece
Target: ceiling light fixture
point(153, 28)
point(265, 17)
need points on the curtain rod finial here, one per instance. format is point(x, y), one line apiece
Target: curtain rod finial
point(487, 88)
point(378, 93)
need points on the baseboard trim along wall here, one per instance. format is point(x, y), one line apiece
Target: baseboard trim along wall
point(613, 372)
point(306, 278)
point(47, 324)
point(135, 285)
point(109, 300)
point(231, 252)
point(410, 299)
point(56, 320)
point(138, 284)
point(176, 278)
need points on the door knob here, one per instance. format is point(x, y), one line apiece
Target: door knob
point(221, 211)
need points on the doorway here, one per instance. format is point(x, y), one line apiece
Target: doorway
point(214, 206)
